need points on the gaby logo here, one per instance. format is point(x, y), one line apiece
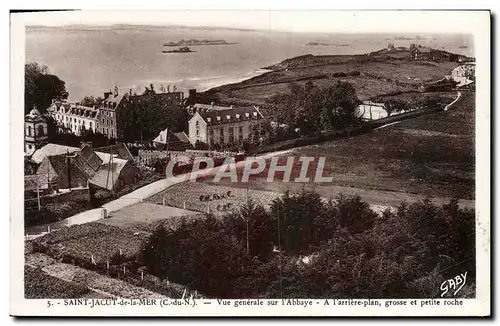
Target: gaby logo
point(453, 284)
point(294, 169)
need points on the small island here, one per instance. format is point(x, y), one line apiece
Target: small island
point(183, 49)
point(324, 44)
point(197, 42)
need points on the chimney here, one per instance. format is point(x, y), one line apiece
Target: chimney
point(231, 107)
point(192, 95)
point(212, 104)
point(106, 94)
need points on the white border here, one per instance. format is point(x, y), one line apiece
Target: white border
point(475, 23)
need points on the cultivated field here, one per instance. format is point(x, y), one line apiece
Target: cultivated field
point(188, 194)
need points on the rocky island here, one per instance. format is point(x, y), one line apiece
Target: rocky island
point(197, 42)
point(183, 49)
point(324, 44)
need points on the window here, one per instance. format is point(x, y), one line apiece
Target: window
point(197, 124)
point(240, 131)
point(112, 134)
point(90, 124)
point(40, 130)
point(29, 131)
point(221, 137)
point(197, 132)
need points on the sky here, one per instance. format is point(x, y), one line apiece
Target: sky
point(320, 21)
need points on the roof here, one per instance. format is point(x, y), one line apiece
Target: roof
point(34, 115)
point(167, 135)
point(372, 103)
point(34, 182)
point(120, 149)
point(182, 136)
point(201, 106)
point(58, 164)
point(51, 149)
point(112, 101)
point(167, 99)
point(108, 174)
point(92, 159)
point(59, 106)
point(83, 111)
point(231, 115)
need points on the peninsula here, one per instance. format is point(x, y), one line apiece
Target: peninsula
point(197, 42)
point(392, 72)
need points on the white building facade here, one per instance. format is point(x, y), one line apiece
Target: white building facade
point(75, 118)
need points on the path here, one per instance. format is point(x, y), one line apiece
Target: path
point(132, 198)
point(459, 94)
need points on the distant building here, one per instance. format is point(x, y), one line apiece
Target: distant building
point(119, 150)
point(224, 125)
point(464, 74)
point(113, 174)
point(69, 170)
point(113, 109)
point(74, 117)
point(371, 111)
point(109, 113)
point(63, 167)
point(35, 131)
point(420, 52)
point(49, 150)
point(175, 141)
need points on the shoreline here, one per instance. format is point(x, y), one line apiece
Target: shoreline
point(227, 81)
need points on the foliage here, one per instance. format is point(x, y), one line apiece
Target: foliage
point(62, 136)
point(39, 285)
point(91, 101)
point(311, 109)
point(40, 87)
point(143, 119)
point(351, 251)
point(53, 212)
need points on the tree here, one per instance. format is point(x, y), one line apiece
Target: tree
point(150, 90)
point(91, 101)
point(143, 118)
point(394, 106)
point(354, 214)
point(312, 109)
point(41, 87)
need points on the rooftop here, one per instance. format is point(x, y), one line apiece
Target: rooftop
point(231, 115)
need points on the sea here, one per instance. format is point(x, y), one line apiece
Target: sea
point(94, 59)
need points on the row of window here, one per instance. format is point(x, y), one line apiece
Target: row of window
point(41, 132)
point(70, 119)
point(107, 122)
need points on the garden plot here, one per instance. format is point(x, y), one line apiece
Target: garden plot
point(203, 197)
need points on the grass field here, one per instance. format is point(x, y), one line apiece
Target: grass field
point(432, 155)
point(376, 78)
point(39, 285)
point(80, 242)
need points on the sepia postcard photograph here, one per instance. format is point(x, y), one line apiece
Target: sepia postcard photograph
point(250, 163)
